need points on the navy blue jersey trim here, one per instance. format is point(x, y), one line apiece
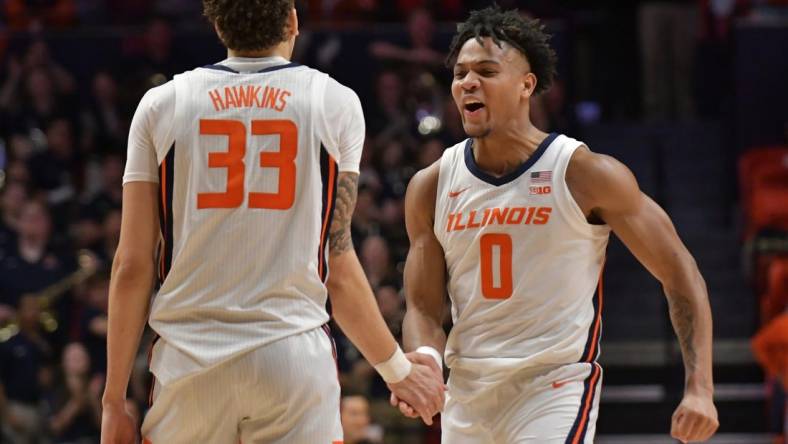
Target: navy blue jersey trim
point(166, 173)
point(470, 162)
point(264, 70)
point(278, 67)
point(221, 68)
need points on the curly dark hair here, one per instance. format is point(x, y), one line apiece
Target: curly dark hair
point(527, 35)
point(249, 25)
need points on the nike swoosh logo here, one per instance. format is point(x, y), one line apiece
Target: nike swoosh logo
point(559, 384)
point(453, 194)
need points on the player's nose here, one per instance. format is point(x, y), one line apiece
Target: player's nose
point(470, 82)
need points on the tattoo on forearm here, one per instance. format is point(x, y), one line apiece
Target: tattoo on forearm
point(683, 319)
point(339, 237)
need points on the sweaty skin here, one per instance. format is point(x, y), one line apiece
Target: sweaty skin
point(605, 190)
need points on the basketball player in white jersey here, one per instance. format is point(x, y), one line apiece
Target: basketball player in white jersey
point(253, 165)
point(514, 223)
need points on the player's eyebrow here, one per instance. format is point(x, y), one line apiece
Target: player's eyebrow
point(477, 62)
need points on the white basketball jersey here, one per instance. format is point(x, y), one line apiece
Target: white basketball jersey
point(523, 263)
point(247, 193)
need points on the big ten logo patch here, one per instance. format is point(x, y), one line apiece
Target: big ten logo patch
point(541, 189)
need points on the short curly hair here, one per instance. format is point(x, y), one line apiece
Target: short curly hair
point(527, 35)
point(249, 25)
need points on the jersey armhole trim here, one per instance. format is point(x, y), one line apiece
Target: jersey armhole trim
point(569, 205)
point(445, 166)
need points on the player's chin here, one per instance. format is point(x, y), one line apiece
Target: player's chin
point(476, 131)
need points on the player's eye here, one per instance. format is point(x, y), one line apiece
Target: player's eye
point(487, 73)
point(459, 74)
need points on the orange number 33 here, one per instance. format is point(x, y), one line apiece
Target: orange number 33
point(233, 161)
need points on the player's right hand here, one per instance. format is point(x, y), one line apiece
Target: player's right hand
point(117, 425)
point(423, 390)
point(695, 419)
point(416, 358)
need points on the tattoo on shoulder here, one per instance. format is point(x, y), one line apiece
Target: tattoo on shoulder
point(683, 323)
point(339, 237)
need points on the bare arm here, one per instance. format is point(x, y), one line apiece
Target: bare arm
point(425, 268)
point(352, 299)
point(605, 189)
point(357, 313)
point(131, 284)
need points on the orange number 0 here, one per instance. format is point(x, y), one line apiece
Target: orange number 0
point(503, 289)
point(233, 161)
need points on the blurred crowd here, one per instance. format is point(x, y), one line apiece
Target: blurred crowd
point(62, 155)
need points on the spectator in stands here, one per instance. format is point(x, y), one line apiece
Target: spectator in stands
point(75, 405)
point(55, 171)
point(356, 423)
point(24, 361)
point(105, 199)
point(20, 147)
point(14, 195)
point(110, 237)
point(715, 58)
point(388, 120)
point(94, 321)
point(103, 125)
point(394, 169)
point(30, 111)
point(18, 171)
point(33, 265)
point(419, 52)
point(667, 47)
point(392, 228)
point(150, 59)
point(391, 307)
point(44, 81)
point(366, 221)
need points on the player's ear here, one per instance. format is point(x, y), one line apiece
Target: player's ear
point(292, 23)
point(529, 85)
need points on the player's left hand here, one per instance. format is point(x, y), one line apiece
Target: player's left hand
point(695, 419)
point(416, 358)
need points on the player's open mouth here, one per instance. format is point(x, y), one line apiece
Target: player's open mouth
point(474, 106)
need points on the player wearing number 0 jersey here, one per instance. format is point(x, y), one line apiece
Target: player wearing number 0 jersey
point(513, 223)
point(241, 181)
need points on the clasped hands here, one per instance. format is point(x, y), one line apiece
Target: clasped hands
point(422, 393)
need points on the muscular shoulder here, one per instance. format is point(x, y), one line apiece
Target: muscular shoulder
point(420, 196)
point(598, 181)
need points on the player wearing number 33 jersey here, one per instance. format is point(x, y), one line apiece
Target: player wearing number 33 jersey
point(247, 166)
point(241, 181)
point(246, 153)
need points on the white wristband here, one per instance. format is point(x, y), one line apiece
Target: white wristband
point(396, 368)
point(427, 350)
